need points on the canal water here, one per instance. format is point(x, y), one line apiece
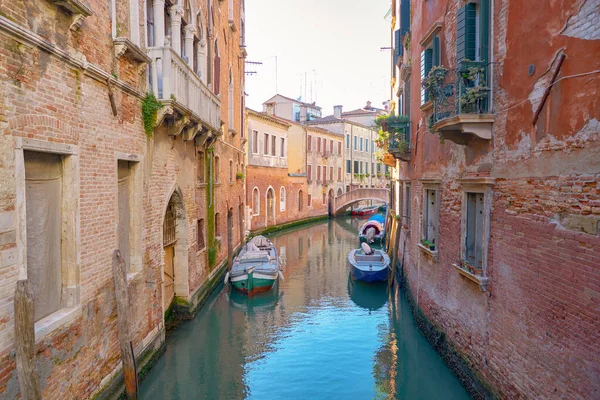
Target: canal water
point(318, 335)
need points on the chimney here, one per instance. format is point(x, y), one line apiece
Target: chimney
point(368, 107)
point(303, 113)
point(337, 111)
point(270, 109)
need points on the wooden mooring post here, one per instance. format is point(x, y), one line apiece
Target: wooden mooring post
point(122, 298)
point(25, 342)
point(395, 250)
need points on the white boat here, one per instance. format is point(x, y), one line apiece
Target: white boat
point(256, 268)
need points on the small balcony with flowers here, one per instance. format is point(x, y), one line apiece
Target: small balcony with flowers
point(394, 139)
point(461, 102)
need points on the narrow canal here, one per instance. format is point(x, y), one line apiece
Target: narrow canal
point(318, 335)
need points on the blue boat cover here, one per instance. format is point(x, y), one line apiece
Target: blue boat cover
point(379, 218)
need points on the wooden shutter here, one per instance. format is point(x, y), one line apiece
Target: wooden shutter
point(465, 33)
point(474, 235)
point(398, 50)
point(426, 63)
point(404, 17)
point(484, 30)
point(435, 55)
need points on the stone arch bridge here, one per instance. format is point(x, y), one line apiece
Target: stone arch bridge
point(342, 202)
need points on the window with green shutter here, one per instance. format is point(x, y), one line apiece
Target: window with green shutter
point(472, 32)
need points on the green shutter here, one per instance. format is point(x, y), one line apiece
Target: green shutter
point(427, 63)
point(484, 30)
point(465, 33)
point(436, 50)
point(404, 17)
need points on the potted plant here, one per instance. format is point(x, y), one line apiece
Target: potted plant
point(239, 176)
point(428, 245)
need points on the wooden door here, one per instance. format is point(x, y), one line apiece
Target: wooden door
point(169, 276)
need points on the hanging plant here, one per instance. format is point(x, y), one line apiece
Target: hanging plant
point(150, 107)
point(433, 82)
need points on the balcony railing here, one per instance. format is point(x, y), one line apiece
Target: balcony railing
point(462, 90)
point(173, 79)
point(461, 99)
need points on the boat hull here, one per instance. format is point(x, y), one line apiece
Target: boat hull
point(253, 282)
point(369, 276)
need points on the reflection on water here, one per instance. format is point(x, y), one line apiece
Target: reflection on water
point(318, 334)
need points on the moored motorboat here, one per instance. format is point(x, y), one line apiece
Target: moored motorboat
point(373, 231)
point(365, 211)
point(369, 265)
point(256, 268)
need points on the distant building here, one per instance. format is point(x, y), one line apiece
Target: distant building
point(361, 168)
point(290, 109)
point(365, 115)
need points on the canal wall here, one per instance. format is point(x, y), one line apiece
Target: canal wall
point(459, 363)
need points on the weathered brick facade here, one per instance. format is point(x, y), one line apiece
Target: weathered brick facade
point(55, 65)
point(527, 323)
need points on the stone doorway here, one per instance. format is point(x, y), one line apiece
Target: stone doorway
point(175, 265)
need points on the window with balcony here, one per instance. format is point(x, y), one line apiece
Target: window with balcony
point(462, 95)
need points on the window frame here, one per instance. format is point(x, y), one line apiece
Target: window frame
point(70, 250)
point(255, 142)
point(480, 186)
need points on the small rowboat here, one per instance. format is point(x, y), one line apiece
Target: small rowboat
point(369, 265)
point(365, 211)
point(373, 231)
point(256, 268)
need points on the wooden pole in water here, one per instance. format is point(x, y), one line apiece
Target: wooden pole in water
point(25, 342)
point(122, 298)
point(395, 257)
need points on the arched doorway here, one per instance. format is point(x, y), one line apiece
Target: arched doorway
point(270, 207)
point(175, 267)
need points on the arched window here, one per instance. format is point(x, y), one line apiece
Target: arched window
point(300, 200)
point(230, 101)
point(270, 204)
point(217, 169)
point(282, 199)
point(201, 167)
point(217, 228)
point(231, 177)
point(255, 201)
point(217, 70)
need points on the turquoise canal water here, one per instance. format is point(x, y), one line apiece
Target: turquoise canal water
point(318, 335)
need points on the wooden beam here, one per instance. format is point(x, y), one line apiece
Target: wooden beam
point(25, 342)
point(122, 298)
point(547, 91)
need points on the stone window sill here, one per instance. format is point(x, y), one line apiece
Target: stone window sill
point(54, 321)
point(431, 253)
point(480, 280)
point(427, 106)
point(201, 185)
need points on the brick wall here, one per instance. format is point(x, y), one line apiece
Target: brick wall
point(533, 332)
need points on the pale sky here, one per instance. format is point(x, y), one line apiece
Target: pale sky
point(335, 42)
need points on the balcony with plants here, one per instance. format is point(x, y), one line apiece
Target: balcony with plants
point(461, 100)
point(394, 137)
